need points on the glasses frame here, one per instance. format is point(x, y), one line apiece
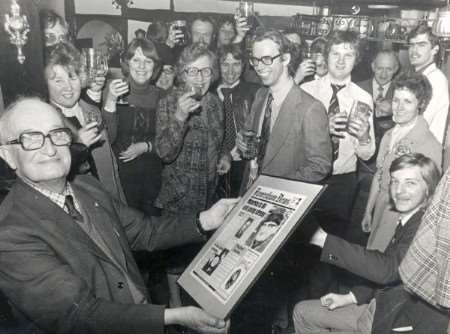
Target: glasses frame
point(266, 60)
point(48, 135)
point(199, 70)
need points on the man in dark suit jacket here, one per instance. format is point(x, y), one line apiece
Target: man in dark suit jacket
point(237, 96)
point(65, 254)
point(414, 179)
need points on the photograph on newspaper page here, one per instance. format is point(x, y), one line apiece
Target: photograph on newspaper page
point(238, 252)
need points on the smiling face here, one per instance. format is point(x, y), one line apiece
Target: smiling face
point(405, 107)
point(341, 60)
point(421, 52)
point(166, 78)
point(226, 34)
point(270, 75)
point(230, 69)
point(47, 166)
point(64, 86)
point(200, 81)
point(56, 34)
point(408, 189)
point(141, 67)
point(384, 68)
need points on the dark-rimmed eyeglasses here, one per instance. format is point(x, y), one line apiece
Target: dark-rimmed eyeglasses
point(194, 71)
point(266, 60)
point(34, 140)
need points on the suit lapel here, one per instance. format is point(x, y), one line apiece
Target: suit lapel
point(53, 218)
point(258, 107)
point(280, 129)
point(102, 221)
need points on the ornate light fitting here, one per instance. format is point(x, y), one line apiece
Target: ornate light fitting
point(441, 25)
point(17, 27)
point(121, 4)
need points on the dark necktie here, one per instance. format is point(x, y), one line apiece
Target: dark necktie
point(230, 128)
point(265, 132)
point(73, 212)
point(398, 231)
point(380, 95)
point(333, 109)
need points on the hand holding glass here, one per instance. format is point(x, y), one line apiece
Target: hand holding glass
point(359, 114)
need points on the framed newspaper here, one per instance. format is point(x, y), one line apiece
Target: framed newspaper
point(238, 252)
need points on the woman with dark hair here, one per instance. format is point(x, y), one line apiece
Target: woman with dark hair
point(139, 165)
point(189, 135)
point(409, 135)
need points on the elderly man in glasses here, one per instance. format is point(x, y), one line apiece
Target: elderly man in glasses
point(65, 254)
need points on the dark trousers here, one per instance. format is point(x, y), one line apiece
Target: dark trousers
point(397, 308)
point(230, 183)
point(333, 208)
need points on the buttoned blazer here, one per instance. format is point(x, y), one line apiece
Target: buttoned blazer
point(299, 145)
point(54, 274)
point(376, 267)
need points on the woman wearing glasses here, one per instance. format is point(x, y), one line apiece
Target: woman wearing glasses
point(139, 165)
point(189, 134)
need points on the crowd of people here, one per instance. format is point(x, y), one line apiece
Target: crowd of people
point(155, 159)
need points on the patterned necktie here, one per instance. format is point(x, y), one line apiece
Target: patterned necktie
point(333, 109)
point(265, 132)
point(73, 212)
point(230, 128)
point(380, 95)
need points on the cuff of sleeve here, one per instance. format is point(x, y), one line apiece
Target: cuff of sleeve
point(353, 298)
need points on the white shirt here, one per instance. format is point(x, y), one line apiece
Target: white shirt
point(278, 98)
point(437, 109)
point(75, 111)
point(349, 147)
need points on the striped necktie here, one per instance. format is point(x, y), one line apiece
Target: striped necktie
point(333, 109)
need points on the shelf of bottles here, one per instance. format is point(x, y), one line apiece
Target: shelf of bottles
point(371, 28)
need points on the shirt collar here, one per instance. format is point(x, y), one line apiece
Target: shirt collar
point(427, 68)
point(57, 198)
point(405, 218)
point(343, 82)
point(281, 92)
point(221, 86)
point(69, 112)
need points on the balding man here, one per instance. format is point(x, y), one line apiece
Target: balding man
point(385, 65)
point(65, 247)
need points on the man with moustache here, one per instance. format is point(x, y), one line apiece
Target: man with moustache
point(384, 66)
point(65, 254)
